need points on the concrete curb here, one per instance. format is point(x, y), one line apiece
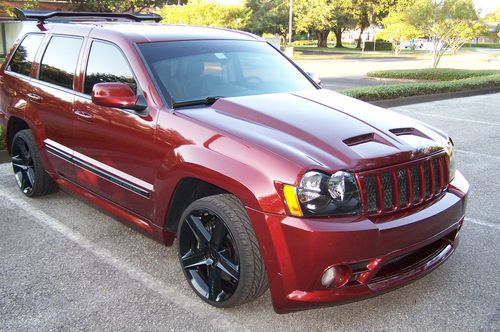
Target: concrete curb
point(427, 98)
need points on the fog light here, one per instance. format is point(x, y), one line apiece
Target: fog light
point(336, 276)
point(328, 276)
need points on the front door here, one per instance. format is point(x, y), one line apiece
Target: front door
point(114, 147)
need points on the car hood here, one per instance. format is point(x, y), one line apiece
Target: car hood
point(322, 129)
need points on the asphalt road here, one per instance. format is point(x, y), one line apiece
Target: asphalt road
point(67, 266)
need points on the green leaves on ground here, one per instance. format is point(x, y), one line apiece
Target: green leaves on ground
point(445, 80)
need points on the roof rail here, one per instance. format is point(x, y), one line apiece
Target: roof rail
point(41, 16)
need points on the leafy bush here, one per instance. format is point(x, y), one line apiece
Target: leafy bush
point(432, 74)
point(484, 45)
point(305, 43)
point(424, 88)
point(379, 46)
point(2, 137)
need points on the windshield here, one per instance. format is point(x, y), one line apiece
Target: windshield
point(201, 69)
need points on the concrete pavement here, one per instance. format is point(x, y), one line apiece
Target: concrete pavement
point(66, 265)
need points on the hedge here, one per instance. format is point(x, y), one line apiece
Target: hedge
point(483, 45)
point(432, 74)
point(379, 46)
point(424, 88)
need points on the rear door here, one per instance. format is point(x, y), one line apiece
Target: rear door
point(114, 148)
point(53, 97)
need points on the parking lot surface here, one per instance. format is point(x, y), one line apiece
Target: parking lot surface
point(66, 265)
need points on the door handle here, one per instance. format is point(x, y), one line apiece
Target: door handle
point(84, 115)
point(34, 98)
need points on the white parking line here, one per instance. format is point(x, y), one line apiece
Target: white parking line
point(194, 306)
point(483, 223)
point(479, 154)
point(489, 123)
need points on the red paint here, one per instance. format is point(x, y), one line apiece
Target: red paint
point(248, 146)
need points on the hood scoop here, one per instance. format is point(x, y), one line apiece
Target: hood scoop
point(408, 131)
point(365, 138)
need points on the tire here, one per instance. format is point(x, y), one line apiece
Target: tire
point(30, 175)
point(206, 255)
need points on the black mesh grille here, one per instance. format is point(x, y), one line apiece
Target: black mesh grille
point(371, 193)
point(435, 169)
point(415, 177)
point(427, 180)
point(403, 187)
point(388, 190)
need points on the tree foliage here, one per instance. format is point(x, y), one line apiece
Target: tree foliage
point(323, 16)
point(199, 12)
point(397, 29)
point(268, 16)
point(135, 6)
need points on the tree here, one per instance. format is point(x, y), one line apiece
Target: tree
point(323, 16)
point(370, 12)
point(268, 16)
point(199, 12)
point(450, 23)
point(134, 6)
point(493, 16)
point(397, 29)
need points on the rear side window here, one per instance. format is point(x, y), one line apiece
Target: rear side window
point(22, 61)
point(107, 64)
point(58, 64)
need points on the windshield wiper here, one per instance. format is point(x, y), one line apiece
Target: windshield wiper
point(206, 101)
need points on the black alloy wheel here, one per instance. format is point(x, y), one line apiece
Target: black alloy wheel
point(28, 168)
point(209, 256)
point(24, 168)
point(219, 252)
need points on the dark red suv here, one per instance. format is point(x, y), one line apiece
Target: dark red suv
point(215, 137)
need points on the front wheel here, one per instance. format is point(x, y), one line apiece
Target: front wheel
point(219, 253)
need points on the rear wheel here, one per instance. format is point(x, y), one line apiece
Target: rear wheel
point(219, 253)
point(27, 165)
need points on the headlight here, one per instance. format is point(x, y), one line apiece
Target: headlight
point(450, 150)
point(321, 195)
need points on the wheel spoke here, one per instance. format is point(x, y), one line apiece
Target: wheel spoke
point(195, 259)
point(228, 267)
point(219, 235)
point(198, 230)
point(215, 284)
point(30, 174)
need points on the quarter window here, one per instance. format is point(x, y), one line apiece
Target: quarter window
point(59, 61)
point(22, 61)
point(107, 64)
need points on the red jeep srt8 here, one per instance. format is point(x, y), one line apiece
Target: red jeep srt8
point(215, 137)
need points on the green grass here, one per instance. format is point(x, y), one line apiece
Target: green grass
point(423, 88)
point(2, 142)
point(437, 74)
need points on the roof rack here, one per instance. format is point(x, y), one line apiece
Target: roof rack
point(41, 16)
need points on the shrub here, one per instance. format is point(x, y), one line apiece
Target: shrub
point(2, 137)
point(424, 88)
point(379, 46)
point(483, 45)
point(432, 74)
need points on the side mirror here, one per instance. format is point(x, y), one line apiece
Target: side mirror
point(118, 95)
point(315, 77)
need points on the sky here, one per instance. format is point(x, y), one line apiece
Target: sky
point(485, 6)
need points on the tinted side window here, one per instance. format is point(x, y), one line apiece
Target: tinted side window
point(59, 61)
point(107, 64)
point(22, 61)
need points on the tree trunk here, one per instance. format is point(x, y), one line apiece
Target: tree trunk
point(338, 37)
point(358, 45)
point(322, 36)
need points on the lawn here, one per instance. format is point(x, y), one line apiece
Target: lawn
point(439, 80)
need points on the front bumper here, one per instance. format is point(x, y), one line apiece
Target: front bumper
point(383, 255)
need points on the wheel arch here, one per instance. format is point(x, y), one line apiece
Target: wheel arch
point(14, 125)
